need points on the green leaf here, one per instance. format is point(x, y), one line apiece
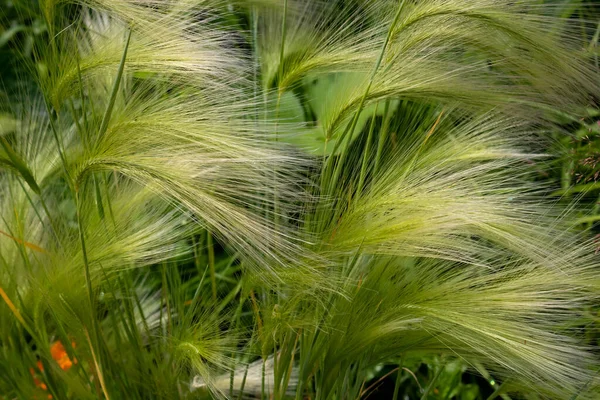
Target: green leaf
point(20, 165)
point(321, 94)
point(115, 88)
point(8, 34)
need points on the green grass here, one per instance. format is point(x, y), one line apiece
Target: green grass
point(296, 199)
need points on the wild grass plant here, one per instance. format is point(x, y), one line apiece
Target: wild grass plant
point(276, 199)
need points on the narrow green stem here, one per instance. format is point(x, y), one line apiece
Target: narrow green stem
point(382, 135)
point(94, 339)
point(398, 379)
point(282, 48)
point(115, 88)
point(211, 264)
point(52, 223)
point(372, 77)
point(243, 384)
point(496, 393)
point(280, 89)
point(432, 383)
point(88, 278)
point(263, 395)
point(59, 146)
point(363, 168)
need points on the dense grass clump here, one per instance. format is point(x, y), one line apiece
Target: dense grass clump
point(294, 199)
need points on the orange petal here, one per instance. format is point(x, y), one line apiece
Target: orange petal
point(60, 355)
point(65, 363)
point(57, 350)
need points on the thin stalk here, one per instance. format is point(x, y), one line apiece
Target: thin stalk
point(64, 337)
point(278, 105)
point(43, 203)
point(196, 249)
point(81, 93)
point(282, 48)
point(115, 88)
point(211, 265)
point(78, 127)
point(166, 299)
point(255, 84)
point(57, 140)
point(235, 323)
point(363, 168)
point(21, 166)
point(256, 61)
point(98, 197)
point(374, 385)
point(97, 366)
point(263, 395)
point(88, 278)
point(75, 188)
point(16, 313)
point(52, 223)
point(288, 373)
point(30, 200)
point(108, 202)
point(299, 389)
point(398, 379)
point(372, 77)
point(497, 392)
point(382, 135)
point(20, 243)
point(413, 161)
point(243, 384)
point(331, 182)
point(432, 383)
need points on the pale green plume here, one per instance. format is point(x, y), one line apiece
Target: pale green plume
point(272, 198)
